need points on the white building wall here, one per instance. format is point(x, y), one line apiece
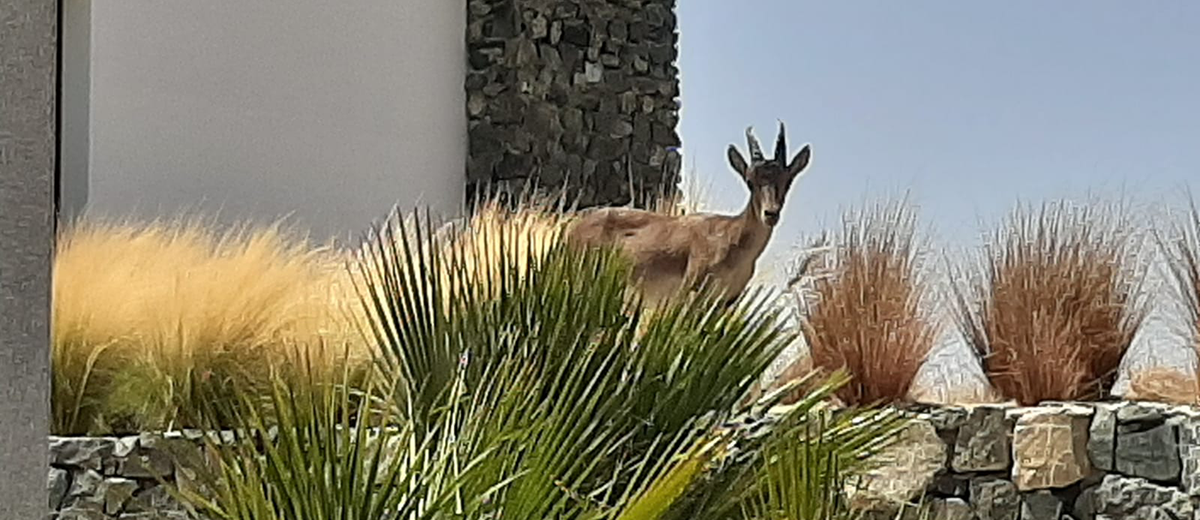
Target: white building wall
point(331, 112)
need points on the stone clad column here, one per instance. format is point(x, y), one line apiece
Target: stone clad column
point(28, 70)
point(581, 95)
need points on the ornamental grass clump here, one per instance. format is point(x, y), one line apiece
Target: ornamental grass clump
point(1181, 247)
point(1055, 302)
point(146, 313)
point(864, 304)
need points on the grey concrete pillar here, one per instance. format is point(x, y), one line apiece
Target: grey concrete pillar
point(28, 71)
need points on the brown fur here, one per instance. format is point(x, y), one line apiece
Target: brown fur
point(671, 253)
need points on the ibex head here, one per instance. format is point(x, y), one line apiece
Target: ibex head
point(768, 179)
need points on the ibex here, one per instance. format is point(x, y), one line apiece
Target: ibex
point(673, 253)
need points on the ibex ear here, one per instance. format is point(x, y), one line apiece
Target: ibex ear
point(736, 160)
point(800, 162)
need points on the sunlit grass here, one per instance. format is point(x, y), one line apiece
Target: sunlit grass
point(145, 312)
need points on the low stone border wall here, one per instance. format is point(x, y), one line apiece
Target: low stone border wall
point(102, 478)
point(1107, 461)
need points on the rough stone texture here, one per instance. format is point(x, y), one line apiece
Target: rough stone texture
point(58, 482)
point(84, 488)
point(995, 499)
point(82, 453)
point(118, 478)
point(1123, 498)
point(950, 485)
point(1139, 416)
point(1041, 505)
point(916, 472)
point(116, 492)
point(982, 443)
point(1050, 448)
point(906, 470)
point(573, 93)
point(1102, 437)
point(82, 512)
point(949, 418)
point(950, 509)
point(1152, 454)
point(1189, 453)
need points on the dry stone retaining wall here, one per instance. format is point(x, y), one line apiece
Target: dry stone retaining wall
point(1107, 461)
point(102, 478)
point(573, 93)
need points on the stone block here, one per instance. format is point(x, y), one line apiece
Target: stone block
point(115, 493)
point(82, 512)
point(618, 31)
point(1102, 437)
point(995, 499)
point(154, 500)
point(1189, 454)
point(577, 34)
point(605, 148)
point(84, 485)
point(81, 452)
point(146, 464)
point(947, 418)
point(1140, 416)
point(1041, 505)
point(905, 470)
point(1124, 498)
point(58, 482)
point(1050, 448)
point(1151, 454)
point(629, 103)
point(951, 485)
point(950, 509)
point(593, 72)
point(983, 442)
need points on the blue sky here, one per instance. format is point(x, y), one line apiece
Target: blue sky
point(970, 106)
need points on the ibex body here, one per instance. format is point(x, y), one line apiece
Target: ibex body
point(672, 253)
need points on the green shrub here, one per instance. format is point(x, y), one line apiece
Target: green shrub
point(533, 387)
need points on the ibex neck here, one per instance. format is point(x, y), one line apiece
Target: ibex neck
point(754, 232)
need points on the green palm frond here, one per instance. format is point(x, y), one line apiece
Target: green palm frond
point(520, 378)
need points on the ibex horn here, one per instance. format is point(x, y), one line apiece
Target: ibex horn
point(781, 146)
point(756, 154)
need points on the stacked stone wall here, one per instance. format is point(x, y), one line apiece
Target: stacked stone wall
point(1107, 461)
point(575, 94)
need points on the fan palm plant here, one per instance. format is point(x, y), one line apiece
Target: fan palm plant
point(519, 378)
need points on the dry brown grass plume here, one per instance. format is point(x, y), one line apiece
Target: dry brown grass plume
point(1182, 248)
point(864, 305)
point(1055, 302)
point(1164, 385)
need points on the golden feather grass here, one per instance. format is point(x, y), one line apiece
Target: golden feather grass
point(146, 311)
point(143, 311)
